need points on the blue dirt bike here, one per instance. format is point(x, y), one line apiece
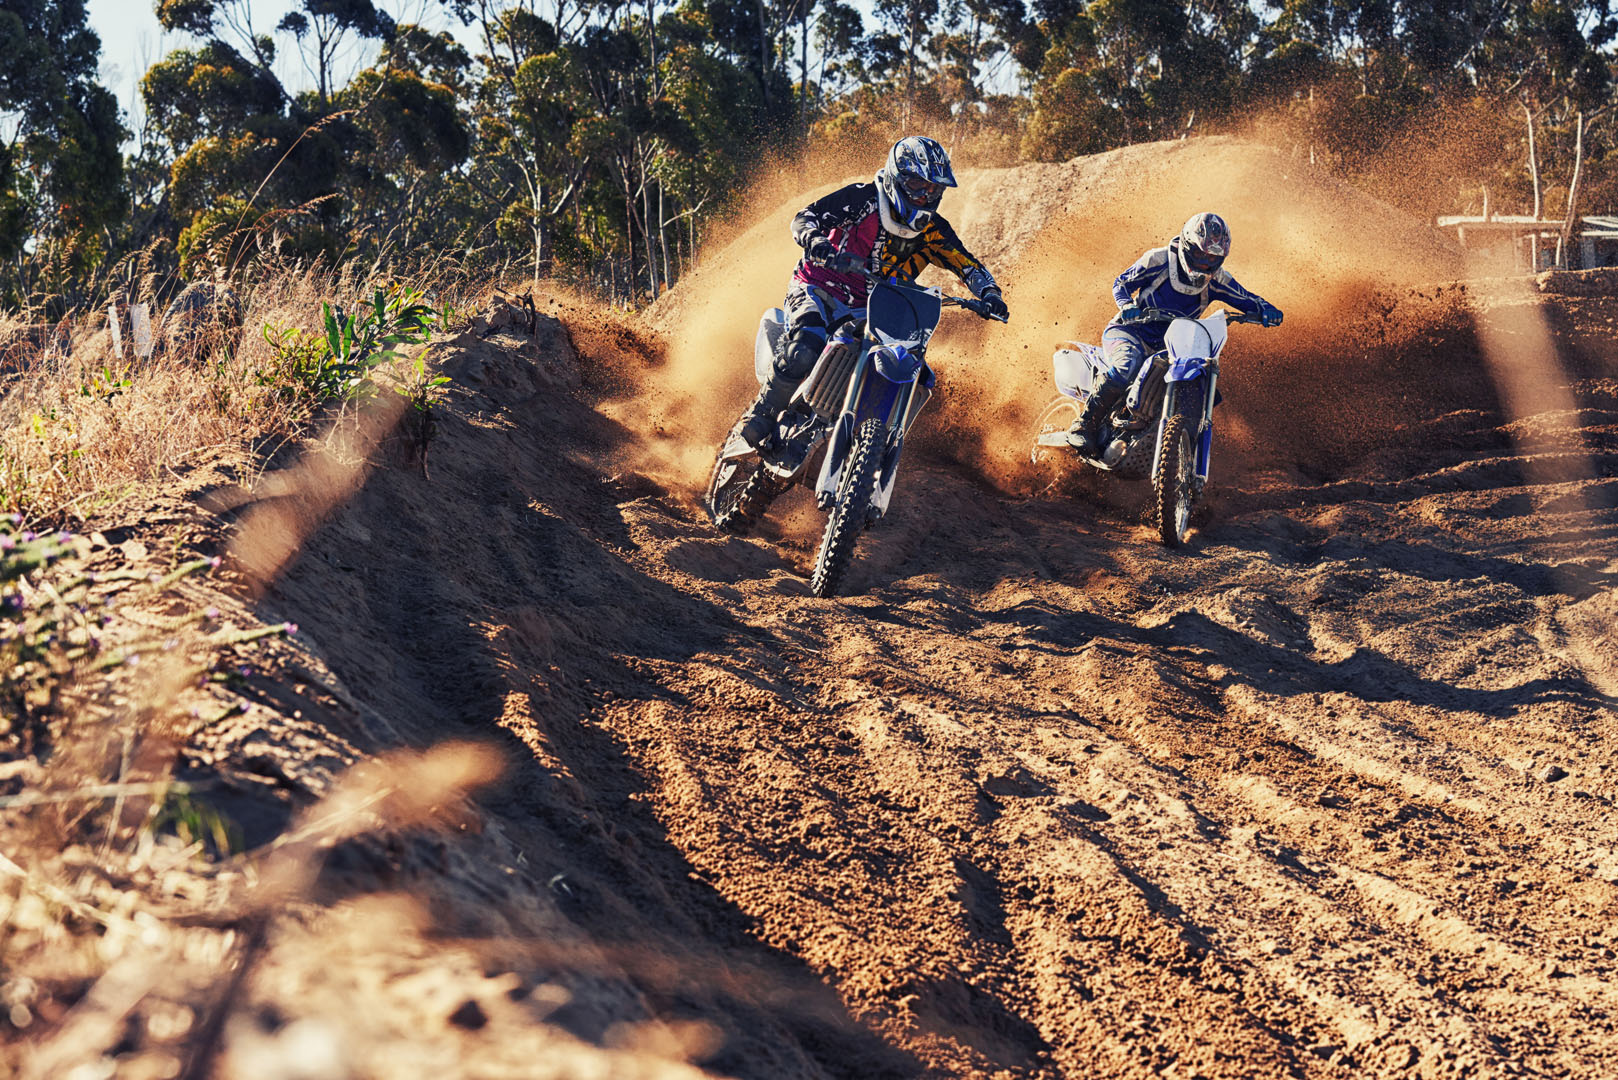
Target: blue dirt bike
point(851, 415)
point(1162, 428)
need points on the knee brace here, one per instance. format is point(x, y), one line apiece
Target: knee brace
point(800, 348)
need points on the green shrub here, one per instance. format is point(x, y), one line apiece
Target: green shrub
point(315, 369)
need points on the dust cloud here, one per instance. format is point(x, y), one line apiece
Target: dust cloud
point(1055, 236)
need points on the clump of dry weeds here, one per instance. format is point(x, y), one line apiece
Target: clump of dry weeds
point(86, 425)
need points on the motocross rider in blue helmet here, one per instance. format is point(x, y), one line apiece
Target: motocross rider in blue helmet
point(886, 228)
point(1177, 281)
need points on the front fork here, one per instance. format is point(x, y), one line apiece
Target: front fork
point(1205, 384)
point(871, 394)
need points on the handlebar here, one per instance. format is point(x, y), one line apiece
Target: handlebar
point(1158, 315)
point(976, 307)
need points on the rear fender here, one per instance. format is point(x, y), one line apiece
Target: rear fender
point(1077, 368)
point(765, 344)
point(735, 447)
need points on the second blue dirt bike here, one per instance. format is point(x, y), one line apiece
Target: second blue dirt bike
point(1162, 428)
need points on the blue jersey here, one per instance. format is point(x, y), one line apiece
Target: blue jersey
point(1155, 281)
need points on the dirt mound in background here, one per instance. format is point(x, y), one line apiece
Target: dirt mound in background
point(1333, 258)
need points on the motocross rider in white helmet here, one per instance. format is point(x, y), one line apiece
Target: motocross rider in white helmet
point(888, 228)
point(1176, 281)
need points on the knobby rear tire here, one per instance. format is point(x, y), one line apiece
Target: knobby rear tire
point(737, 506)
point(1174, 487)
point(848, 518)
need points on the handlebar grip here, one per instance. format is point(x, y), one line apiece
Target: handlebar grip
point(976, 307)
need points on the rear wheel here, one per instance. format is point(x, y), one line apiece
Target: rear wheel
point(848, 517)
point(740, 490)
point(1056, 418)
point(1175, 483)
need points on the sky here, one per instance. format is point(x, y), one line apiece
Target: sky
point(132, 40)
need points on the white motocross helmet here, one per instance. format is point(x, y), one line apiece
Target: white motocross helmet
point(1201, 248)
point(911, 184)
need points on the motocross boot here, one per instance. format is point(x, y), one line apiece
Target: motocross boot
point(759, 420)
point(1085, 433)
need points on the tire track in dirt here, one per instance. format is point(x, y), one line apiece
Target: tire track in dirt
point(1044, 799)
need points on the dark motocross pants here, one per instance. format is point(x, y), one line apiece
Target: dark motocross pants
point(812, 314)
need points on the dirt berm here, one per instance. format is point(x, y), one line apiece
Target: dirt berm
point(1329, 793)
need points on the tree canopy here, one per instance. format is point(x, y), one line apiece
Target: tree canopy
point(595, 139)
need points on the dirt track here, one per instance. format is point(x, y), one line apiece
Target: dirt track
point(1331, 792)
point(1044, 798)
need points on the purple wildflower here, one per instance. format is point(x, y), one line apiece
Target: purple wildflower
point(290, 628)
point(211, 614)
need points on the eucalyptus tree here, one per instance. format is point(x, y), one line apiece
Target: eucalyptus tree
point(61, 171)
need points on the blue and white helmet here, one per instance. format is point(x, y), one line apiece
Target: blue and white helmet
point(1204, 243)
point(912, 182)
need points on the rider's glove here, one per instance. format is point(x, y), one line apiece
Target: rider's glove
point(1268, 314)
point(820, 250)
point(1128, 314)
point(845, 262)
point(994, 305)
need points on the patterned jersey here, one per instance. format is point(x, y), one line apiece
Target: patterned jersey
point(1154, 281)
point(851, 219)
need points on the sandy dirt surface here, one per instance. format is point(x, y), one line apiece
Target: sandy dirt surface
point(1329, 793)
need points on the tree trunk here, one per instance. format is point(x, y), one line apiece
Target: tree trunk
point(763, 56)
point(629, 234)
point(663, 238)
point(914, 8)
point(1533, 160)
point(646, 232)
point(651, 42)
point(1565, 242)
point(539, 233)
point(803, 65)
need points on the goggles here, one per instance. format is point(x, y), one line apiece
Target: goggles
point(1201, 261)
point(920, 190)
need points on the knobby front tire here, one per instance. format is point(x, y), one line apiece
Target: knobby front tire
point(1174, 487)
point(848, 518)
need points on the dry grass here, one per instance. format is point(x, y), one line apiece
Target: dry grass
point(82, 430)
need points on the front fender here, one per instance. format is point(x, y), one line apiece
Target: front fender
point(880, 382)
point(1187, 368)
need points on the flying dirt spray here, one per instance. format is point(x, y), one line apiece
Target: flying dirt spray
point(1055, 236)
